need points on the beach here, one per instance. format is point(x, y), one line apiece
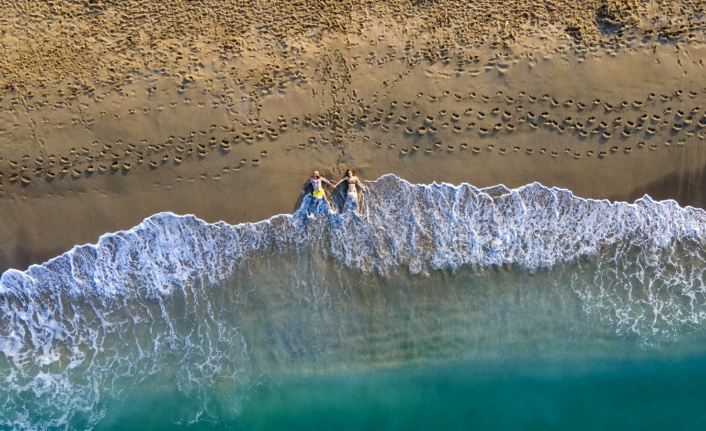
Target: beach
point(102, 129)
point(112, 112)
point(528, 253)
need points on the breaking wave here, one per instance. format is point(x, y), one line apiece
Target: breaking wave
point(163, 297)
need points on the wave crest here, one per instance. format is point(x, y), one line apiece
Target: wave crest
point(422, 227)
point(109, 314)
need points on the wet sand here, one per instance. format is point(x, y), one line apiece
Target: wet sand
point(113, 112)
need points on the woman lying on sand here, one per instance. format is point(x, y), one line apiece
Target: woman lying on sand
point(352, 192)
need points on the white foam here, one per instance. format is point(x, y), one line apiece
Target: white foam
point(418, 226)
point(646, 276)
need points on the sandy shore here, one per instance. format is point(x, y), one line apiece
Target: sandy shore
point(113, 112)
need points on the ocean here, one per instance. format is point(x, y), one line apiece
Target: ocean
point(435, 306)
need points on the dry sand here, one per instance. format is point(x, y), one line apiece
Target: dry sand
point(113, 111)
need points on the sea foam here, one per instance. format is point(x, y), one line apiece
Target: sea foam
point(114, 310)
point(421, 227)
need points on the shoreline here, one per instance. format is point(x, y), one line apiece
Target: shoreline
point(228, 122)
point(527, 196)
point(85, 231)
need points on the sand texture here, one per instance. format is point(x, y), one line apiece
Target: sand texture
point(111, 111)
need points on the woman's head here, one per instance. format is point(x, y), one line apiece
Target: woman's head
point(350, 172)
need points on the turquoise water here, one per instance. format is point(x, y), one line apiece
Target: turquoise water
point(499, 350)
point(491, 309)
point(618, 395)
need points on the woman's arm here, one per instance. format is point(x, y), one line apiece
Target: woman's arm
point(360, 184)
point(342, 180)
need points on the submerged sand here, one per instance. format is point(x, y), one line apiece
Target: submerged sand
point(113, 111)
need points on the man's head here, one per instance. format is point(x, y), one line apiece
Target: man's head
point(316, 174)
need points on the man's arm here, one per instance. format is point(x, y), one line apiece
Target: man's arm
point(328, 183)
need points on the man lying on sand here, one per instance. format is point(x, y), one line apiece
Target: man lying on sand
point(316, 185)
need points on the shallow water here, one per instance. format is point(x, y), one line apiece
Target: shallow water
point(625, 395)
point(437, 306)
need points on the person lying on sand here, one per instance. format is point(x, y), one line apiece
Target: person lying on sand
point(316, 182)
point(352, 192)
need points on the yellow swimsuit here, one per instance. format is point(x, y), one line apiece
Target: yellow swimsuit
point(318, 193)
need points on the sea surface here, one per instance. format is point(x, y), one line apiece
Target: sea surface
point(433, 307)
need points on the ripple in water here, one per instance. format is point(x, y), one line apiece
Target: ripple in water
point(207, 316)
